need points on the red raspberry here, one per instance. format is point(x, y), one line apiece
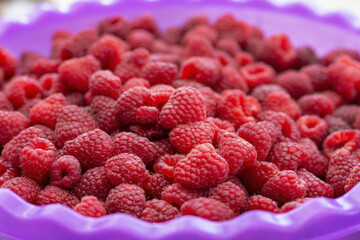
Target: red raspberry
point(187, 83)
point(140, 39)
point(337, 140)
point(207, 208)
point(315, 186)
point(235, 180)
point(72, 121)
point(348, 113)
point(284, 187)
point(25, 110)
point(228, 45)
point(93, 183)
point(92, 148)
point(36, 158)
point(126, 142)
point(211, 100)
point(51, 83)
point(160, 94)
point(126, 168)
point(78, 44)
point(65, 172)
point(231, 79)
point(258, 136)
point(201, 168)
point(353, 178)
point(282, 102)
point(293, 204)
point(77, 71)
point(177, 195)
point(201, 69)
point(52, 194)
point(135, 82)
point(126, 198)
point(357, 123)
point(158, 211)
point(59, 38)
point(219, 124)
point(132, 64)
point(271, 129)
point(165, 164)
point(185, 105)
point(155, 184)
point(8, 63)
point(296, 83)
point(44, 66)
point(117, 26)
point(24, 187)
point(256, 74)
point(27, 60)
point(203, 30)
point(317, 104)
point(164, 146)
point(304, 56)
point(159, 72)
point(149, 131)
point(105, 83)
point(254, 177)
point(7, 174)
point(195, 21)
point(146, 23)
point(5, 104)
point(258, 202)
point(335, 124)
point(331, 56)
point(198, 46)
point(106, 113)
point(313, 127)
point(90, 207)
point(11, 124)
point(335, 98)
point(186, 136)
point(243, 58)
point(262, 91)
point(318, 77)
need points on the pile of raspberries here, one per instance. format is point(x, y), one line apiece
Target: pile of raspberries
point(207, 119)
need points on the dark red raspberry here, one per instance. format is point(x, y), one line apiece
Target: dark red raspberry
point(296, 83)
point(335, 98)
point(258, 202)
point(126, 198)
point(313, 127)
point(207, 208)
point(5, 104)
point(337, 140)
point(52, 194)
point(149, 131)
point(24, 187)
point(158, 211)
point(90, 207)
point(195, 21)
point(348, 113)
point(282, 102)
point(235, 180)
point(254, 177)
point(135, 82)
point(132, 64)
point(59, 39)
point(77, 71)
point(11, 124)
point(315, 186)
point(65, 172)
point(105, 113)
point(262, 91)
point(256, 74)
point(27, 60)
point(318, 77)
point(317, 104)
point(331, 56)
point(203, 30)
point(140, 39)
point(293, 204)
point(105, 83)
point(155, 184)
point(72, 121)
point(353, 178)
point(146, 23)
point(117, 26)
point(159, 72)
point(165, 164)
point(201, 69)
point(271, 129)
point(304, 56)
point(284, 187)
point(185, 105)
point(78, 44)
point(76, 98)
point(335, 124)
point(177, 195)
point(231, 79)
point(126, 142)
point(164, 146)
point(8, 63)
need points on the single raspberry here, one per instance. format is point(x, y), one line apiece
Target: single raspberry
point(25, 109)
point(24, 187)
point(11, 124)
point(293, 204)
point(5, 104)
point(105, 113)
point(335, 124)
point(317, 104)
point(59, 39)
point(331, 56)
point(271, 129)
point(77, 71)
point(254, 177)
point(235, 180)
point(160, 94)
point(52, 194)
point(211, 100)
point(51, 83)
point(228, 45)
point(304, 56)
point(353, 178)
point(315, 186)
point(65, 172)
point(164, 146)
point(44, 66)
point(337, 140)
point(140, 39)
point(201, 69)
point(335, 98)
point(155, 184)
point(105, 83)
point(195, 21)
point(219, 124)
point(228, 26)
point(282, 102)
point(177, 194)
point(158, 211)
point(197, 45)
point(231, 79)
point(262, 91)
point(126, 198)
point(90, 207)
point(145, 22)
point(313, 127)
point(203, 30)
point(284, 187)
point(185, 105)
point(77, 45)
point(296, 83)
point(126, 142)
point(159, 72)
point(348, 113)
point(256, 74)
point(148, 131)
point(135, 82)
point(243, 58)
point(258, 202)
point(7, 174)
point(318, 77)
point(8, 63)
point(117, 26)
point(165, 164)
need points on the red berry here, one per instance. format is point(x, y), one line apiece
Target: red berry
point(132, 64)
point(52, 194)
point(313, 127)
point(335, 124)
point(11, 124)
point(164, 146)
point(337, 140)
point(158, 211)
point(5, 104)
point(8, 63)
point(304, 56)
point(140, 39)
point(165, 164)
point(159, 72)
point(353, 178)
point(201, 69)
point(155, 184)
point(293, 204)
point(24, 187)
point(105, 83)
point(262, 91)
point(348, 113)
point(145, 22)
point(315, 186)
point(296, 83)
point(51, 83)
point(44, 66)
point(65, 172)
point(271, 129)
point(258, 202)
point(231, 79)
point(282, 102)
point(135, 82)
point(105, 113)
point(176, 194)
point(117, 26)
point(317, 104)
point(256, 74)
point(90, 207)
point(331, 56)
point(318, 76)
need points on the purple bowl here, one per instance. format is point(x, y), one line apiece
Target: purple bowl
point(320, 218)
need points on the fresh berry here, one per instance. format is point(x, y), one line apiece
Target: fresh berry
point(348, 113)
point(317, 104)
point(335, 124)
point(155, 184)
point(105, 83)
point(11, 124)
point(5, 104)
point(24, 187)
point(132, 64)
point(52, 194)
point(158, 211)
point(282, 102)
point(165, 164)
point(287, 155)
point(90, 207)
point(117, 26)
point(8, 63)
point(262, 91)
point(353, 178)
point(318, 77)
point(105, 113)
point(315, 186)
point(201, 69)
point(293, 204)
point(159, 72)
point(296, 83)
point(256, 74)
point(313, 127)
point(337, 140)
point(65, 172)
point(258, 202)
point(176, 194)
point(231, 79)
point(331, 56)
point(135, 82)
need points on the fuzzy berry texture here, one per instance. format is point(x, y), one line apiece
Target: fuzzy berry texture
point(52, 194)
point(90, 207)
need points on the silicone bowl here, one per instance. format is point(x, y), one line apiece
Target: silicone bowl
point(317, 219)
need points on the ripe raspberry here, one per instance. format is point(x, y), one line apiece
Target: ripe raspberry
point(207, 208)
point(117, 26)
point(315, 186)
point(201, 69)
point(296, 83)
point(11, 124)
point(282, 102)
point(348, 113)
point(135, 82)
point(27, 60)
point(43, 66)
point(211, 100)
point(258, 202)
point(254, 177)
point(126, 168)
point(158, 211)
point(8, 63)
point(313, 127)
point(231, 79)
point(126, 198)
point(51, 83)
point(203, 30)
point(65, 172)
point(90, 207)
point(105, 113)
point(271, 129)
point(243, 58)
point(140, 39)
point(318, 77)
point(8, 173)
point(195, 21)
point(77, 71)
point(165, 164)
point(197, 45)
point(25, 110)
point(284, 187)
point(293, 204)
point(256, 74)
point(148, 131)
point(52, 194)
point(24, 187)
point(304, 56)
point(262, 91)
point(164, 146)
point(331, 56)
point(335, 98)
point(78, 44)
point(187, 83)
point(337, 140)
point(132, 64)
point(105, 83)
point(317, 104)
point(5, 104)
point(335, 124)
point(185, 105)
point(126, 142)
point(155, 184)
point(177, 194)
point(160, 94)
point(159, 72)
point(353, 178)
point(228, 45)
point(219, 124)
point(72, 121)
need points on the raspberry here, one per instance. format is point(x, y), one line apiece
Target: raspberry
point(293, 204)
point(5, 104)
point(185, 105)
point(211, 100)
point(109, 50)
point(296, 83)
point(21, 89)
point(92, 148)
point(51, 83)
point(7, 174)
point(176, 194)
point(353, 178)
point(140, 39)
point(146, 23)
point(313, 127)
point(304, 56)
point(185, 137)
point(72, 121)
point(105, 83)
point(254, 177)
point(207, 208)
point(106, 113)
point(271, 129)
point(284, 187)
point(46, 111)
point(90, 207)
point(165, 164)
point(65, 172)
point(219, 124)
point(164, 146)
point(52, 194)
point(195, 21)
point(256, 74)
point(203, 30)
point(36, 158)
point(126, 198)
point(258, 202)
point(78, 44)
point(24, 187)
point(59, 38)
point(318, 77)
point(337, 140)
point(262, 91)
point(201, 69)
point(331, 56)
point(228, 45)
point(348, 113)
point(335, 124)
point(8, 63)
point(243, 58)
point(197, 45)
point(77, 71)
point(159, 72)
point(155, 184)
point(201, 168)
point(126, 142)
point(158, 211)
point(149, 131)
point(27, 60)
point(315, 186)
point(230, 194)
point(93, 183)
point(126, 168)
point(282, 102)
point(160, 94)
point(317, 104)
point(231, 79)
point(258, 137)
point(11, 124)
point(114, 25)
point(135, 82)
point(44, 66)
